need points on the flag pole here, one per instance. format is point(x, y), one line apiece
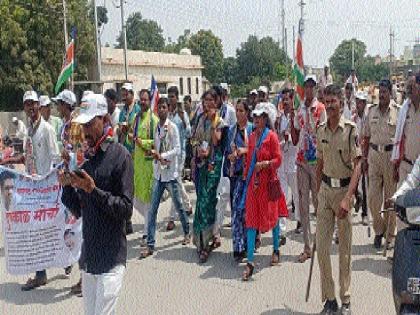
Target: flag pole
point(66, 39)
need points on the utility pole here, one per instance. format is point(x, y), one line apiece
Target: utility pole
point(283, 23)
point(285, 41)
point(124, 33)
point(352, 53)
point(98, 43)
point(391, 51)
point(301, 20)
point(293, 43)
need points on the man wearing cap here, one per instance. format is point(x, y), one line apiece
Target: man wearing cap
point(102, 193)
point(325, 78)
point(54, 121)
point(377, 133)
point(337, 157)
point(253, 99)
point(41, 154)
point(310, 115)
point(70, 133)
point(262, 94)
point(20, 128)
point(127, 115)
point(349, 103)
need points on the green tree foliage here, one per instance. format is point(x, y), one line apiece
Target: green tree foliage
point(182, 42)
point(341, 59)
point(230, 70)
point(262, 58)
point(368, 71)
point(102, 13)
point(32, 46)
point(209, 47)
point(142, 34)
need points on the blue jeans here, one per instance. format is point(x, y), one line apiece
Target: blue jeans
point(157, 192)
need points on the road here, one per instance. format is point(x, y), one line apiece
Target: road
point(172, 282)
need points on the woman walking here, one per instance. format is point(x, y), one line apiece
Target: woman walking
point(264, 200)
point(208, 158)
point(237, 150)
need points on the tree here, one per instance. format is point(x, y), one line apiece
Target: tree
point(368, 71)
point(341, 60)
point(32, 46)
point(261, 58)
point(102, 13)
point(142, 34)
point(210, 48)
point(182, 42)
point(230, 70)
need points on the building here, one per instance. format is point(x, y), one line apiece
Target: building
point(182, 70)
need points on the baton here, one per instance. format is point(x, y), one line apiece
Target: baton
point(364, 202)
point(387, 229)
point(311, 267)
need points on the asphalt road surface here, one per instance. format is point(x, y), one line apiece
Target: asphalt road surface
point(172, 282)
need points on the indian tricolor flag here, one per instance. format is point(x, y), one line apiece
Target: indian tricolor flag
point(299, 73)
point(68, 67)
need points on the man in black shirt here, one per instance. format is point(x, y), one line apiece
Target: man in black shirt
point(102, 193)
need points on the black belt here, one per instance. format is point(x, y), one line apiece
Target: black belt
point(408, 161)
point(381, 148)
point(336, 182)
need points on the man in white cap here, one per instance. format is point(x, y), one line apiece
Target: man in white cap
point(20, 128)
point(102, 193)
point(70, 133)
point(127, 115)
point(253, 99)
point(310, 115)
point(54, 121)
point(262, 94)
point(41, 155)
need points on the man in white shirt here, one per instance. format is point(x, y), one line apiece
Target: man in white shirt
point(113, 110)
point(353, 80)
point(287, 170)
point(165, 171)
point(54, 121)
point(349, 102)
point(20, 128)
point(41, 155)
point(325, 78)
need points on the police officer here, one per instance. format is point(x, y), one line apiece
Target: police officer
point(378, 131)
point(336, 152)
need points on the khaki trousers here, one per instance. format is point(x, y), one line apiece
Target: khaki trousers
point(381, 187)
point(329, 202)
point(306, 181)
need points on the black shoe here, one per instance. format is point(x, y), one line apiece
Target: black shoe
point(282, 240)
point(68, 270)
point(330, 307)
point(377, 242)
point(345, 309)
point(128, 227)
point(34, 283)
point(298, 229)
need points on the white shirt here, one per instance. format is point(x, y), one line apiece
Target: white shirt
point(115, 119)
point(325, 80)
point(348, 112)
point(230, 116)
point(45, 148)
point(354, 81)
point(289, 151)
point(21, 130)
point(167, 143)
point(412, 181)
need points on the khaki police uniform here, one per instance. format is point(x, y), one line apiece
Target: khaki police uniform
point(337, 149)
point(411, 141)
point(380, 128)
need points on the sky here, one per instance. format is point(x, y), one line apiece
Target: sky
point(327, 22)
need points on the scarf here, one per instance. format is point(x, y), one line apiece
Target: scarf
point(398, 150)
point(107, 137)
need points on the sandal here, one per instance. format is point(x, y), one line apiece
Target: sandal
point(204, 255)
point(186, 240)
point(249, 270)
point(146, 253)
point(304, 256)
point(258, 241)
point(275, 258)
point(216, 243)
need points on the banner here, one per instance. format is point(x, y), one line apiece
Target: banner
point(38, 231)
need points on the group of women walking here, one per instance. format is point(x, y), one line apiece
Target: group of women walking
point(252, 153)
